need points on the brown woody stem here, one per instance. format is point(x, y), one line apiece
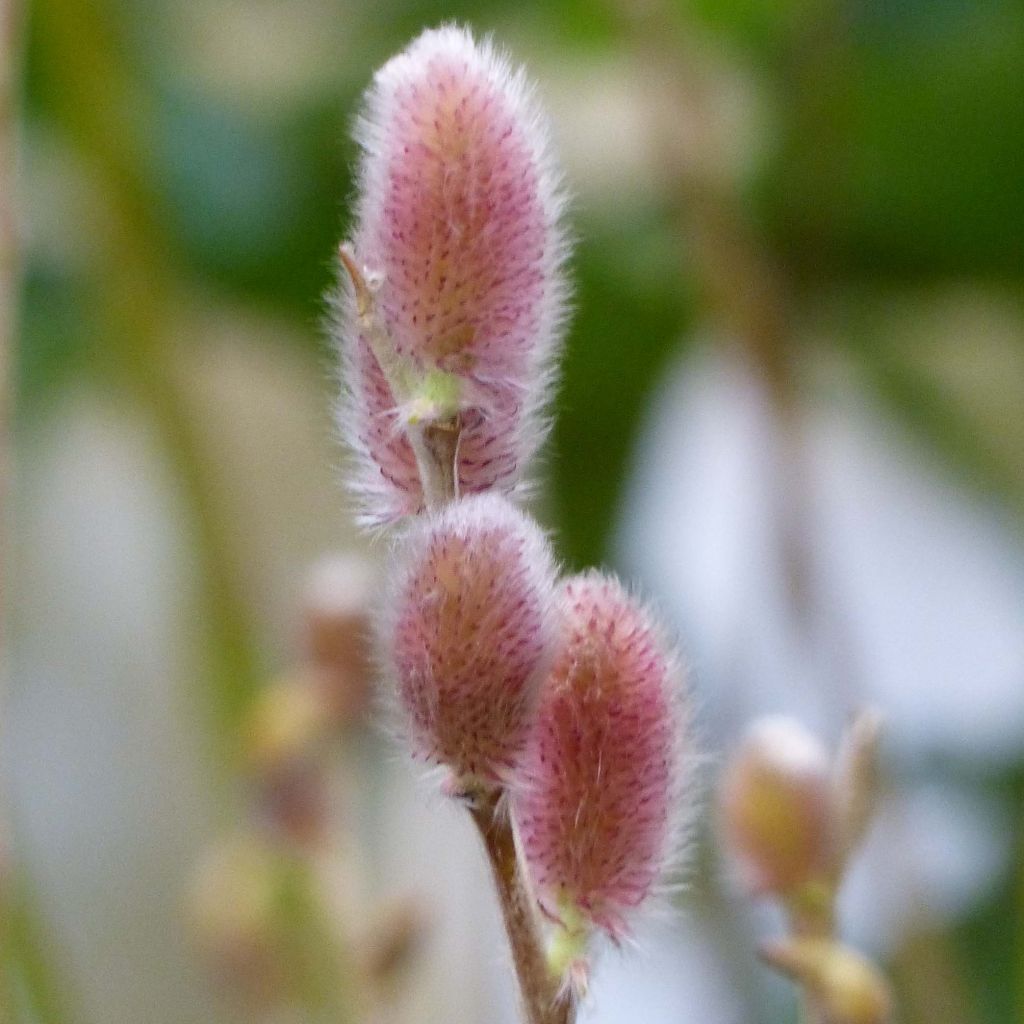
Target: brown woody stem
point(542, 1002)
point(438, 461)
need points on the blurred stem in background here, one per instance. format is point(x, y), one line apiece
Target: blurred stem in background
point(29, 989)
point(10, 49)
point(1020, 923)
point(138, 314)
point(749, 303)
point(10, 276)
point(27, 982)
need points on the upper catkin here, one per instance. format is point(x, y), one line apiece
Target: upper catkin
point(458, 232)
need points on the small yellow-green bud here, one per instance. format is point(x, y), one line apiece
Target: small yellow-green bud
point(844, 987)
point(287, 719)
point(436, 399)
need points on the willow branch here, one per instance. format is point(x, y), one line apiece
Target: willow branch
point(542, 1003)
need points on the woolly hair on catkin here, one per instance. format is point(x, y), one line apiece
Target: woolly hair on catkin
point(468, 636)
point(458, 225)
point(605, 786)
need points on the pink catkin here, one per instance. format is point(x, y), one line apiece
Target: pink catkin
point(600, 796)
point(469, 636)
point(458, 217)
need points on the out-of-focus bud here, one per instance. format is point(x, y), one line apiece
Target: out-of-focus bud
point(468, 636)
point(339, 595)
point(284, 744)
point(293, 800)
point(857, 779)
point(287, 719)
point(392, 946)
point(454, 300)
point(844, 987)
point(776, 808)
point(605, 786)
point(232, 909)
point(259, 914)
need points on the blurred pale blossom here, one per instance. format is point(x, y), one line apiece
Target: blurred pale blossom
point(107, 776)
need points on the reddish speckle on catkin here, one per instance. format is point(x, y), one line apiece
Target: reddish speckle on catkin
point(603, 789)
point(469, 635)
point(458, 227)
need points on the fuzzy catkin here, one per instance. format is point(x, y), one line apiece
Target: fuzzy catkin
point(468, 636)
point(604, 784)
point(458, 225)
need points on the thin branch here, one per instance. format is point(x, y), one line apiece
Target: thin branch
point(542, 1002)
